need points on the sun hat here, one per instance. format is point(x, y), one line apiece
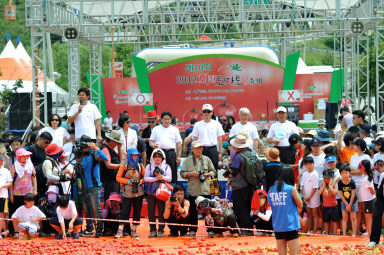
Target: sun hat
point(311, 132)
point(323, 135)
point(151, 115)
point(53, 149)
point(114, 136)
point(241, 141)
point(272, 154)
point(54, 189)
point(22, 152)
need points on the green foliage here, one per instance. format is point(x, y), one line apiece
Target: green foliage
point(6, 96)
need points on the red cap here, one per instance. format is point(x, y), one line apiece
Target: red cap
point(53, 149)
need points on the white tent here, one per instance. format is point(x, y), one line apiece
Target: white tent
point(16, 64)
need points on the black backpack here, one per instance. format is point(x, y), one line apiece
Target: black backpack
point(254, 169)
point(41, 180)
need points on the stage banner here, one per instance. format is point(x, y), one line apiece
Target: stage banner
point(228, 82)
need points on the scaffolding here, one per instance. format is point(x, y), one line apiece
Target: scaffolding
point(279, 24)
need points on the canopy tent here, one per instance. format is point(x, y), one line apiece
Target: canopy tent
point(15, 64)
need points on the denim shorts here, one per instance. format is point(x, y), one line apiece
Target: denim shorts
point(354, 207)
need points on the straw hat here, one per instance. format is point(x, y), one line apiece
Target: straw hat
point(241, 141)
point(272, 154)
point(114, 136)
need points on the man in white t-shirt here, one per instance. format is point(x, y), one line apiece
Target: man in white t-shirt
point(245, 125)
point(66, 219)
point(167, 138)
point(279, 134)
point(86, 117)
point(108, 122)
point(209, 132)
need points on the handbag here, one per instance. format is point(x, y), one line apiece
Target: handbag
point(164, 191)
point(214, 187)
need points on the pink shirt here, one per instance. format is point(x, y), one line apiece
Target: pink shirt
point(22, 185)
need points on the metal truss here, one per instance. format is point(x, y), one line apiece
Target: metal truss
point(73, 68)
point(379, 81)
point(363, 92)
point(95, 72)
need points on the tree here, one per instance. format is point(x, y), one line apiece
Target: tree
point(6, 97)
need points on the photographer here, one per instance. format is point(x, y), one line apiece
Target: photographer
point(176, 211)
point(157, 171)
point(90, 182)
point(197, 169)
point(51, 168)
point(131, 176)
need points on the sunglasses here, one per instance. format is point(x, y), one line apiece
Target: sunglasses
point(47, 142)
point(128, 121)
point(207, 111)
point(152, 121)
point(55, 120)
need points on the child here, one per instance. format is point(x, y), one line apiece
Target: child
point(66, 218)
point(261, 212)
point(5, 183)
point(330, 212)
point(111, 211)
point(309, 186)
point(347, 192)
point(28, 216)
point(331, 163)
point(368, 194)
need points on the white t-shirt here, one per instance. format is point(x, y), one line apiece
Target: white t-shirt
point(207, 132)
point(129, 141)
point(309, 182)
point(28, 214)
point(66, 213)
point(282, 131)
point(58, 134)
point(319, 164)
point(108, 122)
point(249, 127)
point(5, 177)
point(355, 161)
point(376, 157)
point(348, 120)
point(166, 138)
point(365, 193)
point(368, 140)
point(66, 184)
point(85, 121)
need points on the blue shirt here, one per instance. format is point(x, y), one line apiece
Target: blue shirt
point(285, 216)
point(95, 172)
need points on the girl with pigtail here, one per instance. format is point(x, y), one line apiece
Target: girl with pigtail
point(368, 194)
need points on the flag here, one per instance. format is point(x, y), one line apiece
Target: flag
point(8, 36)
point(18, 39)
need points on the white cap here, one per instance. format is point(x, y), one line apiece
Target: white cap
point(207, 107)
point(281, 109)
point(196, 144)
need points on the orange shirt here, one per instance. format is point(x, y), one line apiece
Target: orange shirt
point(346, 154)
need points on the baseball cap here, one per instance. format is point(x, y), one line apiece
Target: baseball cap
point(196, 144)
point(207, 107)
point(379, 141)
point(361, 143)
point(328, 173)
point(315, 142)
point(330, 159)
point(294, 138)
point(365, 129)
point(281, 109)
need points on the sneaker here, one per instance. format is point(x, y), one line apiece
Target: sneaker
point(86, 233)
point(16, 235)
point(153, 234)
point(160, 234)
point(4, 232)
point(59, 236)
point(218, 235)
point(126, 233)
point(235, 235)
point(260, 234)
point(119, 234)
point(192, 233)
point(211, 234)
point(97, 235)
point(75, 236)
point(372, 244)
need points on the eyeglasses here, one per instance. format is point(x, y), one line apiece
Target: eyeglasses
point(207, 111)
point(152, 121)
point(55, 120)
point(128, 121)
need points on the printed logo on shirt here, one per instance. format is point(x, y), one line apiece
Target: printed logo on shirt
point(278, 198)
point(281, 133)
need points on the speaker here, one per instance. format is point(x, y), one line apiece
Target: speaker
point(20, 111)
point(331, 112)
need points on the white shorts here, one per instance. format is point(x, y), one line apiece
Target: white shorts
point(358, 195)
point(28, 226)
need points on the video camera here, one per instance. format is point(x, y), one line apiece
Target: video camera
point(78, 148)
point(201, 175)
point(173, 199)
point(157, 170)
point(135, 187)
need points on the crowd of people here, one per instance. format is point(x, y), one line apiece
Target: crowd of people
point(65, 170)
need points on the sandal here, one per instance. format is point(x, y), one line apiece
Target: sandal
point(16, 235)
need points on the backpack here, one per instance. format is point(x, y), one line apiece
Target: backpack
point(41, 180)
point(254, 169)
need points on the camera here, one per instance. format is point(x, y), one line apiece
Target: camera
point(157, 170)
point(227, 173)
point(201, 175)
point(173, 199)
point(78, 149)
point(63, 177)
point(135, 187)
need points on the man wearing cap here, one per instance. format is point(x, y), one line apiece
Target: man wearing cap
point(109, 167)
point(242, 190)
point(152, 123)
point(167, 138)
point(209, 132)
point(86, 117)
point(365, 133)
point(197, 169)
point(245, 125)
point(279, 133)
point(318, 159)
point(90, 183)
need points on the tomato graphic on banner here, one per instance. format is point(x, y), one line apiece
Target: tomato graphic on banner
point(138, 99)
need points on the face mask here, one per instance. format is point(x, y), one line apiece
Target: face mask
point(262, 202)
point(52, 197)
